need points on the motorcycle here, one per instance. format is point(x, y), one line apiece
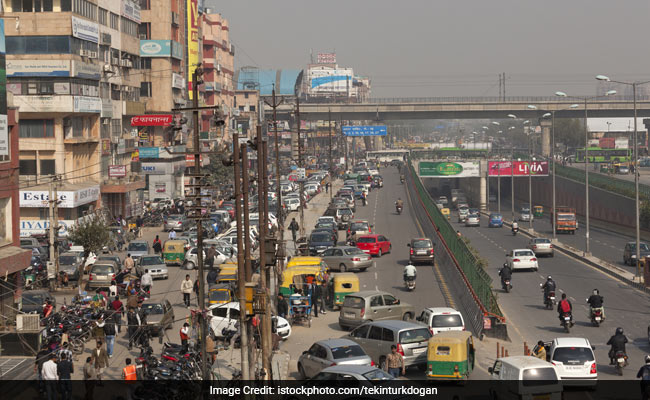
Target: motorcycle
point(401, 180)
point(515, 231)
point(409, 282)
point(596, 316)
point(566, 321)
point(549, 298)
point(620, 358)
point(399, 210)
point(506, 285)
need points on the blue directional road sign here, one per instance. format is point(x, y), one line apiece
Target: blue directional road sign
point(368, 130)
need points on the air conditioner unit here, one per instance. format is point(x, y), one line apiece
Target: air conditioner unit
point(175, 18)
point(115, 61)
point(84, 53)
point(92, 54)
point(129, 63)
point(124, 63)
point(28, 322)
point(142, 36)
point(108, 68)
point(107, 57)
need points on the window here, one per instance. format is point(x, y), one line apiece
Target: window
point(36, 128)
point(27, 167)
point(414, 335)
point(48, 167)
point(145, 4)
point(66, 5)
point(115, 21)
point(103, 17)
point(145, 63)
point(144, 30)
point(241, 108)
point(85, 9)
point(129, 27)
point(447, 321)
point(43, 212)
point(387, 335)
point(116, 127)
point(251, 108)
point(5, 221)
point(389, 300)
point(376, 301)
point(375, 333)
point(115, 92)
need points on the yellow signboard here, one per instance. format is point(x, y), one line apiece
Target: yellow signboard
point(192, 41)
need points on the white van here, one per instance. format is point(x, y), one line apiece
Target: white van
point(524, 377)
point(440, 319)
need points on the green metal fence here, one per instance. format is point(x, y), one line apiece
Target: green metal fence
point(609, 183)
point(476, 275)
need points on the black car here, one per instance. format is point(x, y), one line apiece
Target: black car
point(330, 225)
point(32, 300)
point(320, 241)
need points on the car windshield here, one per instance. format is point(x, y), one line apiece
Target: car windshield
point(367, 240)
point(353, 251)
point(566, 217)
point(153, 308)
point(377, 375)
point(345, 211)
point(539, 377)
point(347, 352)
point(642, 246)
point(421, 244)
point(137, 246)
point(446, 321)
point(573, 355)
point(320, 237)
point(151, 260)
point(495, 217)
point(353, 302)
point(103, 269)
point(414, 335)
point(31, 298)
point(524, 254)
point(357, 226)
point(219, 295)
point(67, 260)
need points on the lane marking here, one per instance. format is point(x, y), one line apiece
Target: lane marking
point(375, 275)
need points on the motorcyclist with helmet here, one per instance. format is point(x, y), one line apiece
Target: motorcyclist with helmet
point(596, 301)
point(548, 286)
point(565, 307)
point(644, 374)
point(399, 205)
point(515, 227)
point(506, 274)
point(410, 272)
point(617, 343)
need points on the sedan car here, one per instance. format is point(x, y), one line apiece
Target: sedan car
point(326, 353)
point(160, 316)
point(138, 248)
point(176, 222)
point(156, 266)
point(472, 220)
point(374, 244)
point(352, 373)
point(495, 221)
point(629, 253)
point(421, 250)
point(330, 225)
point(541, 246)
point(522, 259)
point(346, 258)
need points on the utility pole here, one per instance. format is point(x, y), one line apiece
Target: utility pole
point(264, 279)
point(247, 248)
point(54, 227)
point(301, 164)
point(241, 273)
point(277, 179)
point(329, 135)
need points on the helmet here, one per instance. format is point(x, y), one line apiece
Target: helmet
point(596, 292)
point(647, 359)
point(548, 278)
point(619, 331)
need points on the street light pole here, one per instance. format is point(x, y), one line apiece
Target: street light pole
point(587, 252)
point(636, 189)
point(553, 161)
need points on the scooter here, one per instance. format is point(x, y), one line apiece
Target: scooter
point(566, 321)
point(596, 316)
point(621, 362)
point(409, 282)
point(399, 210)
point(515, 231)
point(506, 285)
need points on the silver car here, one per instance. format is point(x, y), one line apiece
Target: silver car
point(155, 265)
point(176, 222)
point(463, 212)
point(541, 246)
point(101, 274)
point(138, 248)
point(372, 305)
point(472, 220)
point(70, 262)
point(325, 353)
point(346, 258)
point(352, 373)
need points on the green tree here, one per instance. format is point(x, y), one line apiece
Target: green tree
point(570, 131)
point(219, 174)
point(93, 234)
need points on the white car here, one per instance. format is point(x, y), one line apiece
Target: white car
point(326, 219)
point(574, 361)
point(292, 203)
point(227, 315)
point(522, 259)
point(373, 172)
point(472, 220)
point(440, 319)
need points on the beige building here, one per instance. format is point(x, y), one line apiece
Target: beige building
point(246, 111)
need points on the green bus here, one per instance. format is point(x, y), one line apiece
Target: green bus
point(596, 154)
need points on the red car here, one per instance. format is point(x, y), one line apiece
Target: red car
point(373, 244)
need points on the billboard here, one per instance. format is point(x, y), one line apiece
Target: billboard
point(505, 168)
point(365, 130)
point(4, 123)
point(192, 41)
point(328, 80)
point(152, 120)
point(117, 171)
point(53, 68)
point(85, 30)
point(326, 58)
point(462, 169)
point(160, 48)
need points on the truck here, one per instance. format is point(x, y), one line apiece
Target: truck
point(565, 219)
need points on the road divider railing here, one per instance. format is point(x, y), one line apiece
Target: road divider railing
point(469, 281)
point(608, 183)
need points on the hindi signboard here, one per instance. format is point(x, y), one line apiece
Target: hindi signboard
point(367, 130)
point(152, 120)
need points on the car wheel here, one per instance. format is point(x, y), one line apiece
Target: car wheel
point(379, 253)
point(407, 317)
point(301, 371)
point(343, 268)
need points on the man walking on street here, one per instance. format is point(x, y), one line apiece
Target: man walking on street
point(100, 360)
point(172, 235)
point(186, 289)
point(157, 245)
point(133, 322)
point(65, 369)
point(118, 312)
point(50, 376)
point(293, 227)
point(138, 224)
point(128, 263)
point(395, 361)
point(315, 297)
point(211, 254)
point(146, 281)
point(109, 332)
point(89, 378)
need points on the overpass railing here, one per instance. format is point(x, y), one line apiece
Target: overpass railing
point(478, 280)
point(491, 99)
point(611, 184)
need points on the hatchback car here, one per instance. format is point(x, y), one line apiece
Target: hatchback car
point(440, 319)
point(346, 258)
point(472, 220)
point(377, 337)
point(374, 244)
point(495, 221)
point(176, 222)
point(160, 316)
point(421, 251)
point(138, 248)
point(372, 305)
point(541, 246)
point(156, 266)
point(352, 373)
point(443, 200)
point(574, 361)
point(629, 253)
point(463, 212)
point(525, 214)
point(70, 263)
point(521, 259)
point(101, 274)
point(330, 352)
point(358, 228)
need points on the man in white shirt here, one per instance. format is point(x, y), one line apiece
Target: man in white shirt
point(172, 234)
point(50, 376)
point(146, 280)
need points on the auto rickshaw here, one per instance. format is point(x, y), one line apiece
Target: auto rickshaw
point(538, 211)
point(445, 211)
point(227, 279)
point(309, 275)
point(220, 294)
point(307, 261)
point(174, 252)
point(450, 355)
point(228, 269)
point(340, 285)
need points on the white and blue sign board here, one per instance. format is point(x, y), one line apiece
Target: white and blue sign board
point(368, 130)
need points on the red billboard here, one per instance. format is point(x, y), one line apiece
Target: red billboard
point(505, 168)
point(117, 171)
point(152, 120)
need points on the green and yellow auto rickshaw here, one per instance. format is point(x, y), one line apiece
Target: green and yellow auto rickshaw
point(174, 252)
point(340, 285)
point(450, 355)
point(538, 211)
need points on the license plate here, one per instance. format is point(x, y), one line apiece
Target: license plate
point(597, 318)
point(419, 350)
point(567, 318)
point(349, 315)
point(422, 252)
point(620, 360)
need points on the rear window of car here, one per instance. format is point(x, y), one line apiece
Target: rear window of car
point(359, 227)
point(573, 355)
point(524, 254)
point(542, 240)
point(377, 375)
point(103, 269)
point(353, 302)
point(320, 237)
point(137, 247)
point(414, 335)
point(174, 218)
point(367, 240)
point(354, 251)
point(67, 260)
point(153, 308)
point(539, 377)
point(422, 244)
point(446, 321)
point(347, 352)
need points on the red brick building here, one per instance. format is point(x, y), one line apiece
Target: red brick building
point(13, 259)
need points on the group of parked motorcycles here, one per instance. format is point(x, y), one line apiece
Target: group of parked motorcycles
point(76, 321)
point(175, 363)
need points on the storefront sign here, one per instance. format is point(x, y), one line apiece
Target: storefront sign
point(85, 70)
point(131, 10)
point(161, 187)
point(44, 103)
point(178, 82)
point(135, 156)
point(29, 227)
point(85, 30)
point(149, 152)
point(155, 48)
point(106, 147)
point(67, 198)
point(152, 120)
point(153, 169)
point(504, 168)
point(85, 104)
point(117, 171)
point(448, 169)
point(189, 160)
point(33, 68)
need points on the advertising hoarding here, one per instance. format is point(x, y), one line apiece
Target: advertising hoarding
point(178, 82)
point(192, 41)
point(326, 58)
point(462, 169)
point(152, 120)
point(505, 168)
point(29, 68)
point(117, 171)
point(154, 168)
point(131, 10)
point(155, 48)
point(67, 198)
point(30, 227)
point(365, 130)
point(327, 80)
point(85, 30)
point(85, 104)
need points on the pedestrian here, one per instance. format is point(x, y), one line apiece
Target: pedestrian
point(212, 276)
point(186, 289)
point(132, 301)
point(293, 227)
point(315, 291)
point(100, 361)
point(50, 376)
point(185, 336)
point(363, 198)
point(157, 245)
point(283, 307)
point(89, 378)
point(129, 371)
point(118, 312)
point(65, 369)
point(109, 334)
point(195, 288)
point(210, 349)
point(211, 254)
point(395, 361)
point(48, 308)
point(64, 351)
point(146, 281)
point(172, 235)
point(327, 187)
point(112, 290)
point(138, 224)
point(41, 357)
point(128, 263)
point(98, 329)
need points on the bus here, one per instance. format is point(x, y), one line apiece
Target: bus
point(387, 155)
point(596, 154)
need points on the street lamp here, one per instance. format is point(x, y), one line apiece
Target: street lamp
point(585, 99)
point(512, 169)
point(636, 169)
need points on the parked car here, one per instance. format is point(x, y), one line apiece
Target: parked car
point(110, 257)
point(472, 220)
point(31, 301)
point(352, 373)
point(541, 246)
point(346, 258)
point(319, 241)
point(629, 253)
point(223, 254)
point(70, 263)
point(574, 361)
point(156, 266)
point(343, 216)
point(374, 244)
point(176, 222)
point(330, 225)
point(440, 319)
point(101, 274)
point(328, 352)
point(372, 305)
point(521, 259)
point(421, 251)
point(138, 248)
point(160, 316)
point(292, 204)
point(358, 228)
point(495, 220)
point(377, 337)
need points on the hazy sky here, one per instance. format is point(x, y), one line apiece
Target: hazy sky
point(450, 47)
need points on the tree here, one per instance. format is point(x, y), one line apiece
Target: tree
point(91, 233)
point(570, 131)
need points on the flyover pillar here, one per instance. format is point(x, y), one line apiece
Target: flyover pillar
point(546, 136)
point(483, 186)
